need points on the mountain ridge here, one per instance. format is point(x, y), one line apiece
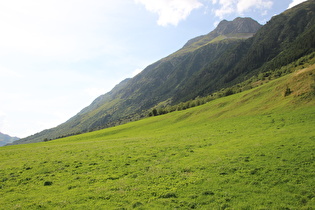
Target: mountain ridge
point(6, 139)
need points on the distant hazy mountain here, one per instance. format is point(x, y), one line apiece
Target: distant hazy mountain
point(232, 52)
point(6, 139)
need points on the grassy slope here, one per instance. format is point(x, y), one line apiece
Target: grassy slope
point(206, 41)
point(253, 150)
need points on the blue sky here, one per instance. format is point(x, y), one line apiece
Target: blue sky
point(57, 56)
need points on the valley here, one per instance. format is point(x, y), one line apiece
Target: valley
point(225, 122)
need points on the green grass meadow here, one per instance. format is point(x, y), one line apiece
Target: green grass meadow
point(252, 150)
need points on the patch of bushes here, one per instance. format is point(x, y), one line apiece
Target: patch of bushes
point(48, 183)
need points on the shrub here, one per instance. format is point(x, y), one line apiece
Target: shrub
point(228, 92)
point(287, 91)
point(137, 204)
point(48, 183)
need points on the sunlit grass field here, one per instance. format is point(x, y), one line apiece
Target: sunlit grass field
point(252, 150)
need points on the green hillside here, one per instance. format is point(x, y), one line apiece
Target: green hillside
point(251, 150)
point(233, 52)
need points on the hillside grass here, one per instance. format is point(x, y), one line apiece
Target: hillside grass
point(207, 41)
point(252, 150)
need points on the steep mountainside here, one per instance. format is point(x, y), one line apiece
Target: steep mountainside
point(285, 38)
point(6, 139)
point(204, 65)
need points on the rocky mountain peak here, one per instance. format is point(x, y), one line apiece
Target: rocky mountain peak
point(238, 25)
point(246, 26)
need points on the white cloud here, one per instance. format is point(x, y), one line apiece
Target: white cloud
point(170, 11)
point(244, 5)
point(295, 2)
point(227, 7)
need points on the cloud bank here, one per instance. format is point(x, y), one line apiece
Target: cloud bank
point(226, 7)
point(170, 12)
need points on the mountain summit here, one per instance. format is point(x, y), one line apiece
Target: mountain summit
point(238, 28)
point(238, 25)
point(224, 57)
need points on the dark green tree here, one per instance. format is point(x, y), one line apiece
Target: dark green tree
point(154, 112)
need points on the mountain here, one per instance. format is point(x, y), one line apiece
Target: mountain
point(238, 28)
point(6, 139)
point(157, 82)
point(233, 52)
point(284, 39)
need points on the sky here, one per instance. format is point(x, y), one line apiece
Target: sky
point(57, 56)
